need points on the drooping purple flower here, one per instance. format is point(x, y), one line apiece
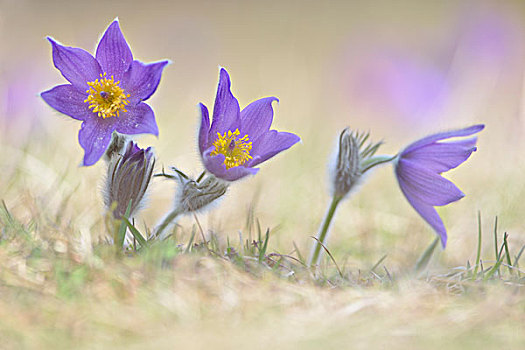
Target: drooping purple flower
point(237, 141)
point(418, 170)
point(106, 92)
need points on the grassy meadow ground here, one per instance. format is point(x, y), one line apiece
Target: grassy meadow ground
point(62, 286)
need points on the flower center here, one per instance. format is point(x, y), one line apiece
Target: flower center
point(106, 97)
point(235, 149)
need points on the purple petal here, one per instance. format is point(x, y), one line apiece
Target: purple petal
point(94, 137)
point(113, 52)
point(426, 186)
point(226, 112)
point(271, 143)
point(443, 135)
point(442, 156)
point(68, 100)
point(76, 65)
point(257, 118)
point(215, 165)
point(204, 128)
point(141, 80)
point(138, 119)
point(427, 212)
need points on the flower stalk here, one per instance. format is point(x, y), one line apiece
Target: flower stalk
point(323, 233)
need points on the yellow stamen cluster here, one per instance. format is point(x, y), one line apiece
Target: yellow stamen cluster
point(236, 150)
point(106, 97)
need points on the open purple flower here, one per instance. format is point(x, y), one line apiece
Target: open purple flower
point(105, 91)
point(237, 141)
point(418, 170)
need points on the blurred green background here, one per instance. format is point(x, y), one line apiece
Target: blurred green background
point(401, 69)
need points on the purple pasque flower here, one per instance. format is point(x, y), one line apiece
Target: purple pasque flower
point(105, 91)
point(237, 141)
point(418, 170)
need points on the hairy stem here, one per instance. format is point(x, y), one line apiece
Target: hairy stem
point(321, 238)
point(165, 223)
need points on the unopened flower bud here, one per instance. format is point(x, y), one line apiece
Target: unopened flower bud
point(195, 195)
point(128, 177)
point(347, 169)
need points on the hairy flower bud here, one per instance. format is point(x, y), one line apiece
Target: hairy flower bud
point(195, 195)
point(347, 169)
point(128, 177)
point(355, 157)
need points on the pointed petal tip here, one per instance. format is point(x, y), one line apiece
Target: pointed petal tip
point(154, 128)
point(55, 44)
point(443, 238)
point(115, 22)
point(224, 74)
point(474, 129)
point(479, 127)
point(203, 109)
point(87, 162)
point(44, 95)
point(294, 139)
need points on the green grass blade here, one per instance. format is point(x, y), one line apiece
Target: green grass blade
point(122, 228)
point(496, 237)
point(262, 251)
point(192, 237)
point(494, 268)
point(299, 255)
point(330, 255)
point(507, 254)
point(136, 233)
point(517, 258)
point(424, 259)
point(478, 254)
point(378, 262)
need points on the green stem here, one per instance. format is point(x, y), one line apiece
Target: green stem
point(166, 222)
point(478, 254)
point(321, 238)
